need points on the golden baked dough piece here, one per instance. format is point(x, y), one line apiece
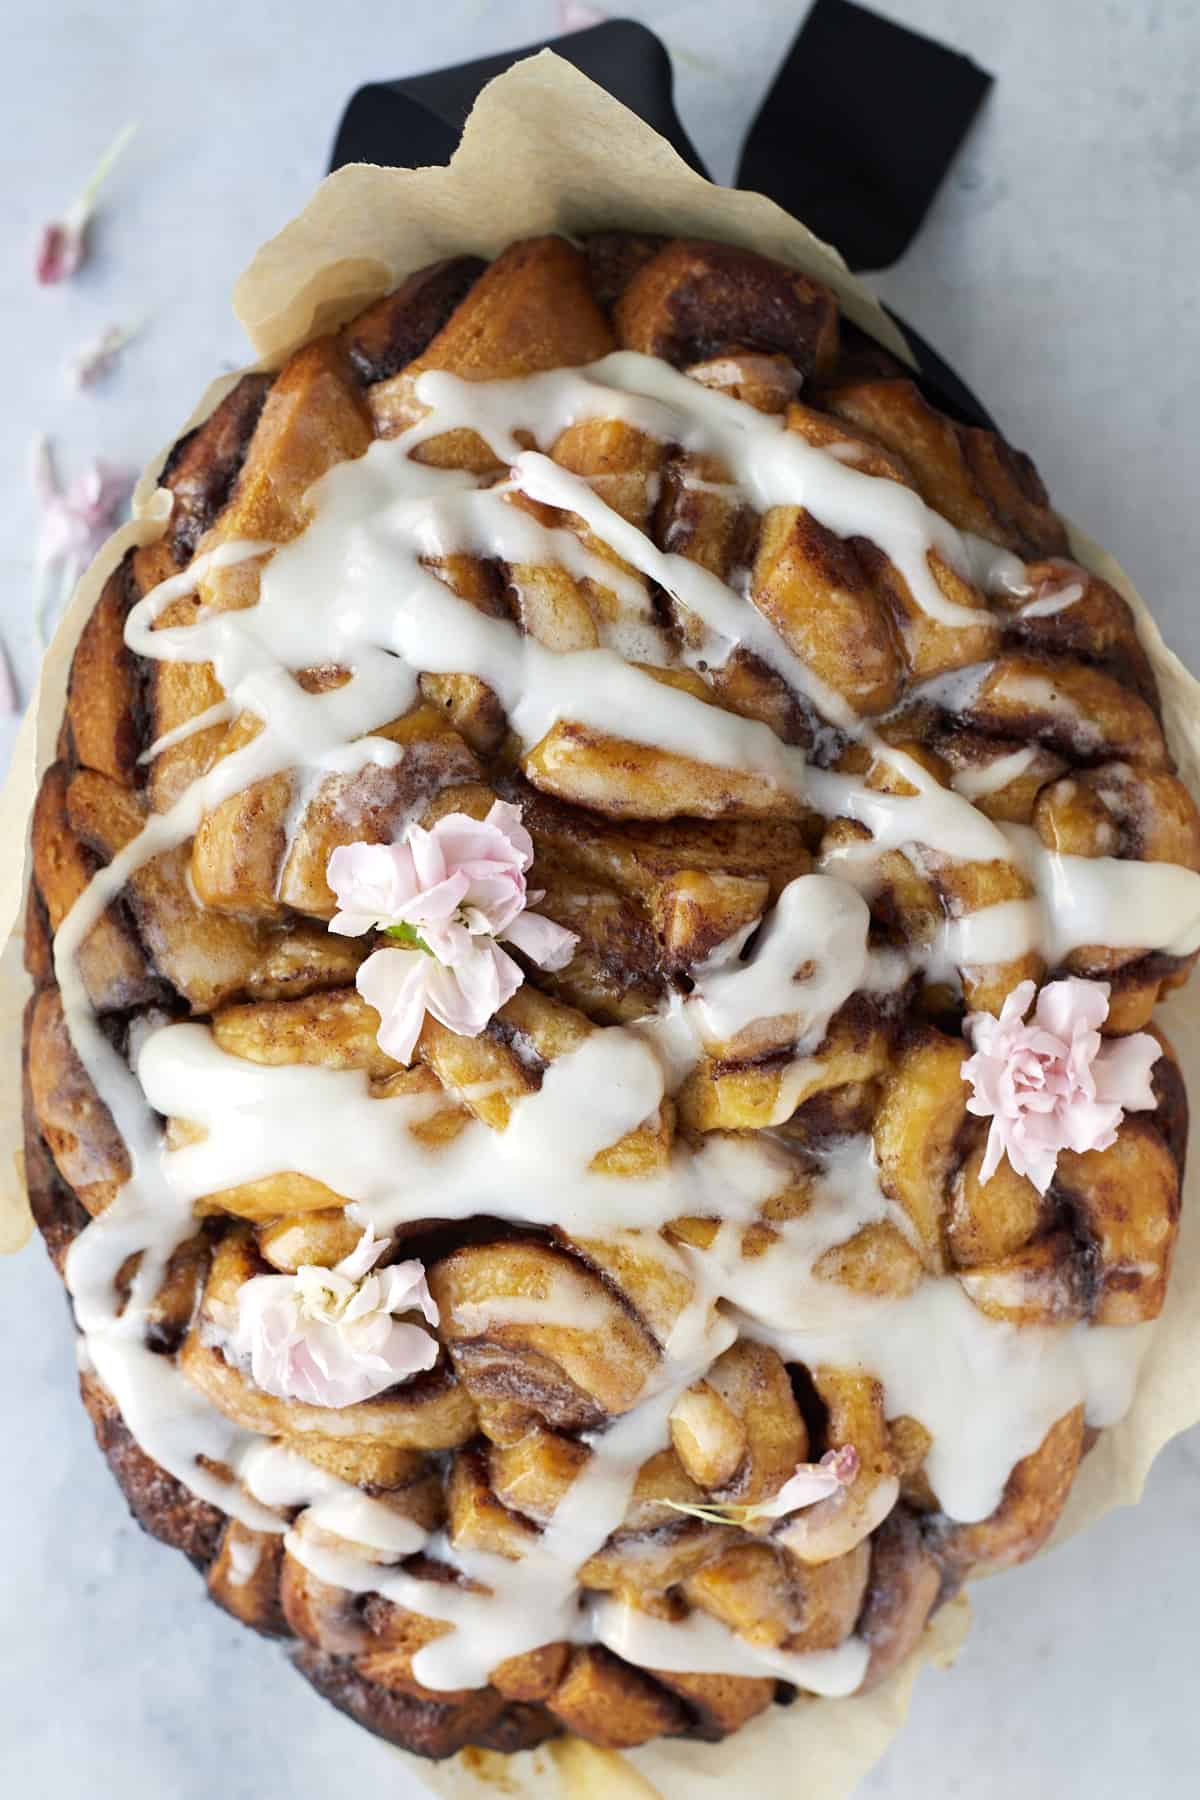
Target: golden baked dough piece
point(726, 1094)
point(970, 476)
point(930, 645)
point(532, 309)
point(243, 1577)
point(256, 855)
point(312, 419)
point(111, 963)
point(610, 1703)
point(208, 958)
point(74, 1122)
point(396, 329)
point(571, 1376)
point(623, 779)
point(1033, 1497)
point(771, 1598)
point(696, 299)
point(739, 1432)
point(697, 884)
point(1069, 707)
point(1116, 810)
point(918, 890)
point(815, 592)
point(1031, 699)
point(904, 1586)
point(432, 1413)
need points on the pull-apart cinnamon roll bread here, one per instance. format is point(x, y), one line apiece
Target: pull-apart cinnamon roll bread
point(595, 930)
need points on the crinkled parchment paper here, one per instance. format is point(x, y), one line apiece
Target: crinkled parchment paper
point(545, 150)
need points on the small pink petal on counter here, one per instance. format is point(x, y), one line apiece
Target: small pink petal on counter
point(572, 16)
point(93, 361)
point(62, 245)
point(8, 687)
point(76, 519)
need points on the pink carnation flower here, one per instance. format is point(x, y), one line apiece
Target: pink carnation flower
point(447, 895)
point(1053, 1084)
point(330, 1337)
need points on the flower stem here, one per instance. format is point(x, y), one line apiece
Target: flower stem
point(409, 936)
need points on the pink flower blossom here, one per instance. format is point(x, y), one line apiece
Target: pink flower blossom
point(60, 250)
point(447, 895)
point(75, 522)
point(62, 245)
point(1054, 1084)
point(807, 1486)
point(464, 877)
point(813, 1482)
point(330, 1337)
point(76, 519)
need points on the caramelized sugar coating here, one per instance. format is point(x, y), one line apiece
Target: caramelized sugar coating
point(1036, 700)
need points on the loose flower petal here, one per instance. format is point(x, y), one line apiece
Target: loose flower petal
point(573, 16)
point(329, 1337)
point(59, 253)
point(62, 245)
point(75, 522)
point(1054, 1083)
point(8, 687)
point(808, 1486)
point(96, 359)
point(813, 1482)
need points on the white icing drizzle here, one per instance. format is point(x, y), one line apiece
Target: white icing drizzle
point(1107, 900)
point(988, 778)
point(806, 961)
point(355, 591)
point(244, 1557)
point(220, 714)
point(1042, 694)
point(701, 1645)
point(281, 1480)
point(324, 1123)
point(995, 570)
point(771, 465)
point(568, 1302)
point(1055, 602)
